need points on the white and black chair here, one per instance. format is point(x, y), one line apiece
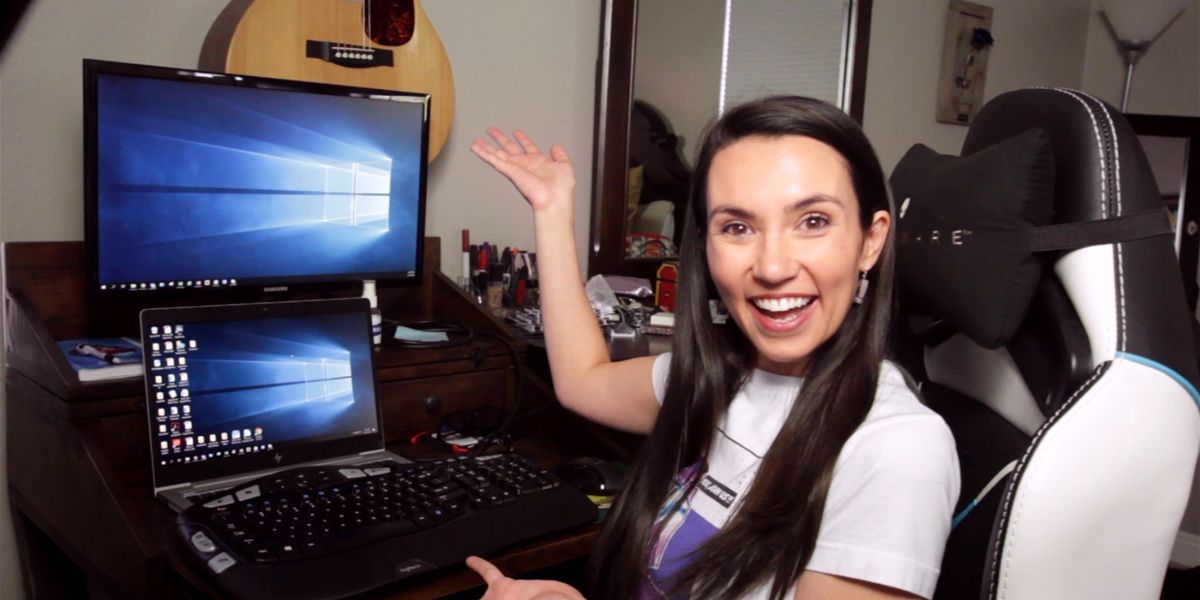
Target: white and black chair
point(1043, 313)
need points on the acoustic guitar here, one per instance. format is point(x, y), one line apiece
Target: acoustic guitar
point(385, 44)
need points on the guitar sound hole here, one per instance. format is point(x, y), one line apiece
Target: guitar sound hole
point(389, 22)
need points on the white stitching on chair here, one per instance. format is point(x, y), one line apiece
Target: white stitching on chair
point(1099, 146)
point(1016, 476)
point(1116, 177)
point(1119, 248)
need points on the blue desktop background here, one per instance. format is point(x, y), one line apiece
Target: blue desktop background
point(198, 181)
point(297, 378)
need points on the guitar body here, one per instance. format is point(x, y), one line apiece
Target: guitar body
point(392, 46)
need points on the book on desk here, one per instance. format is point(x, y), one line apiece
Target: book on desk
point(103, 359)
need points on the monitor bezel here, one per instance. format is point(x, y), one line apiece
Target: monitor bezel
point(294, 453)
point(282, 287)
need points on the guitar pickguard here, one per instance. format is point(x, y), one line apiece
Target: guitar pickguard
point(389, 22)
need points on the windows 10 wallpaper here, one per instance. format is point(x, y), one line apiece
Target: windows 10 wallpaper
point(235, 386)
point(200, 182)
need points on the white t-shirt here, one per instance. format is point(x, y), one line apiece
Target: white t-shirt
point(888, 511)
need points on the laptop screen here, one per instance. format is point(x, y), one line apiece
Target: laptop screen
point(238, 388)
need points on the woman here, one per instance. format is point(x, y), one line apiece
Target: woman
point(785, 457)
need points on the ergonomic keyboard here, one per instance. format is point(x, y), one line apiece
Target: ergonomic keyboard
point(328, 532)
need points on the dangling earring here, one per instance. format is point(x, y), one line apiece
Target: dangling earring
point(863, 284)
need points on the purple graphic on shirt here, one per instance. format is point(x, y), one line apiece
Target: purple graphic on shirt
point(676, 535)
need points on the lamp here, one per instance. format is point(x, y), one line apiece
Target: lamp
point(1136, 24)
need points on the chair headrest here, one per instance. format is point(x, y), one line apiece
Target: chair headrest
point(1127, 294)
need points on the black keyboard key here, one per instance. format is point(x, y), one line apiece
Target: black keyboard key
point(288, 551)
point(358, 537)
point(312, 548)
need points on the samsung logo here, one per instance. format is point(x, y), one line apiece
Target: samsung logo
point(275, 288)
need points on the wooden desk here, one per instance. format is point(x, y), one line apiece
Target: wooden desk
point(79, 473)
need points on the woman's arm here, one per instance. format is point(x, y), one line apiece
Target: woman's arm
point(616, 394)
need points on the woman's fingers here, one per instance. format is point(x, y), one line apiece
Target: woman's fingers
point(559, 154)
point(504, 142)
point(485, 569)
point(526, 142)
point(493, 157)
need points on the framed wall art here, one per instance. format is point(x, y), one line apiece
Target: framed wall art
point(964, 61)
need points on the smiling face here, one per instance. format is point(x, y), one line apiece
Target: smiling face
point(785, 244)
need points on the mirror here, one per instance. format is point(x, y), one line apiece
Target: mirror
point(1172, 145)
point(667, 68)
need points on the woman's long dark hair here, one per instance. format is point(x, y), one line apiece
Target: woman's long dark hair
point(772, 535)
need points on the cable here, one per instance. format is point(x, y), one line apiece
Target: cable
point(466, 334)
point(518, 373)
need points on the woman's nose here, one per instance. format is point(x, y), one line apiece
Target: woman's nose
point(777, 260)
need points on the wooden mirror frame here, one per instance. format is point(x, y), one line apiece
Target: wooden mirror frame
point(614, 102)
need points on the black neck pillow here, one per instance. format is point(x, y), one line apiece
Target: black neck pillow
point(963, 224)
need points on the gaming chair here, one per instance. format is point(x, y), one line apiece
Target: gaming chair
point(1085, 419)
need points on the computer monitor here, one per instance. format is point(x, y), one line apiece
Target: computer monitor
point(233, 388)
point(203, 182)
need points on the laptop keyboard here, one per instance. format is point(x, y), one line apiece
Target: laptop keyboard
point(432, 513)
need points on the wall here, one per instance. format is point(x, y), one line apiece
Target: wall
point(518, 63)
point(1037, 44)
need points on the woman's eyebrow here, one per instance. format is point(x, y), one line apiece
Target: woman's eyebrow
point(733, 211)
point(805, 203)
point(797, 206)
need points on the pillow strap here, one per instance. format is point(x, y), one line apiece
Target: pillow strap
point(1126, 228)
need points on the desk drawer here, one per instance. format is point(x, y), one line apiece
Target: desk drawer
point(403, 402)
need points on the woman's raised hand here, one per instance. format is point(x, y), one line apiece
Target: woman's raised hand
point(545, 181)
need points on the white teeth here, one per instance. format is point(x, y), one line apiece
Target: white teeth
point(781, 304)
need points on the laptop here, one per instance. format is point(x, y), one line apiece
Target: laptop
point(238, 391)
